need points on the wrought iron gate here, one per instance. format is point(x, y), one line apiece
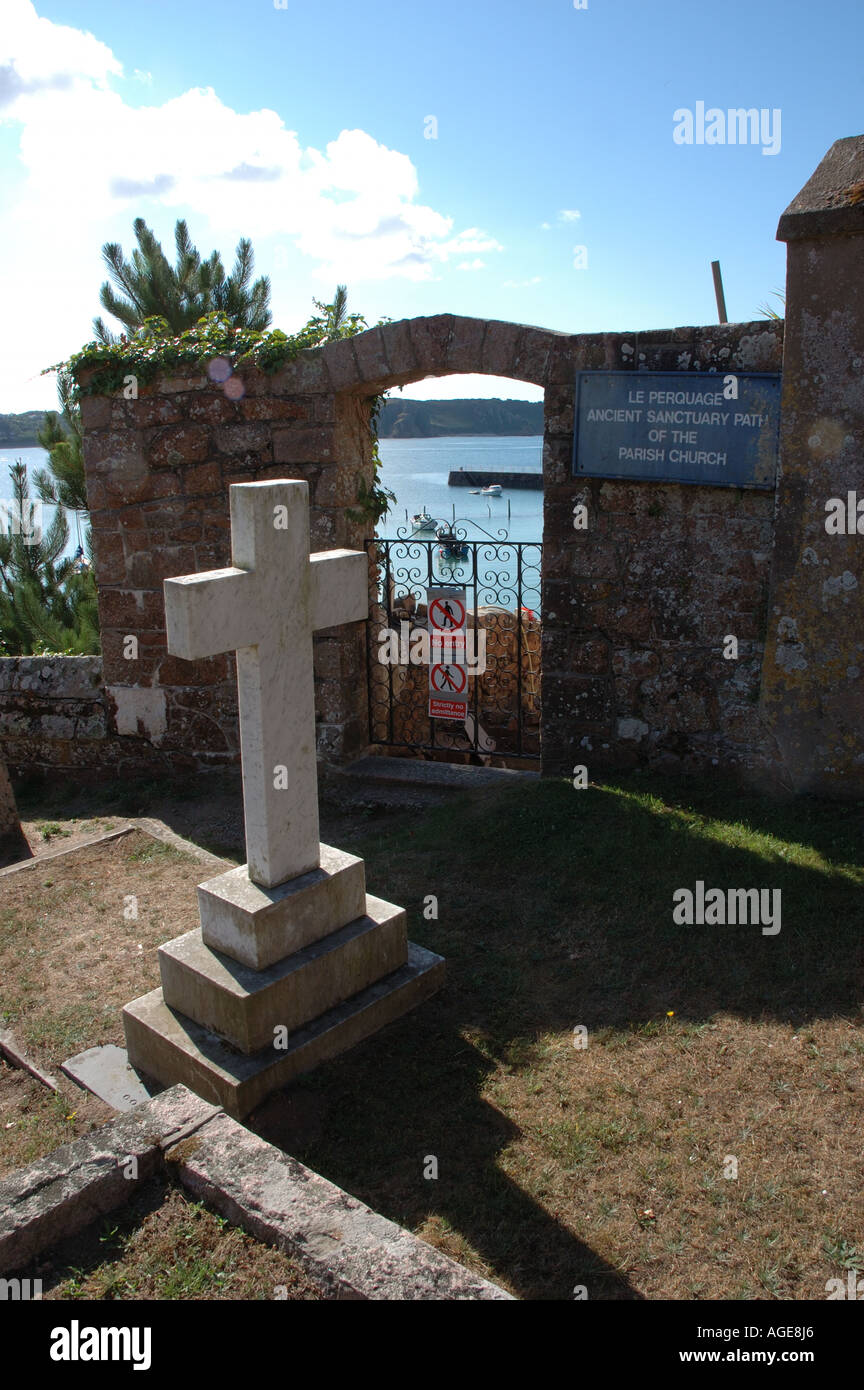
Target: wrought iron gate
point(502, 580)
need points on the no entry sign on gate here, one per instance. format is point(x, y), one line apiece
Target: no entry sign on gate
point(446, 611)
point(448, 672)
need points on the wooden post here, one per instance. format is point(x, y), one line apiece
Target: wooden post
point(718, 292)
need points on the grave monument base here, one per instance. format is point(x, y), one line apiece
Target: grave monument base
point(171, 1048)
point(294, 961)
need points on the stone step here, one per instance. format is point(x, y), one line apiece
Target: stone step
point(420, 772)
point(244, 1006)
point(171, 1048)
point(259, 926)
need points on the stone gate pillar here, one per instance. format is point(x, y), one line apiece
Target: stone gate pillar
point(813, 672)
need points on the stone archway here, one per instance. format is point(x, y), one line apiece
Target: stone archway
point(503, 719)
point(614, 654)
point(158, 468)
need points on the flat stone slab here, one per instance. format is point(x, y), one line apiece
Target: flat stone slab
point(106, 1072)
point(259, 926)
point(14, 1053)
point(172, 1048)
point(244, 1006)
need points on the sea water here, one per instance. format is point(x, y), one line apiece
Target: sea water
point(34, 459)
point(417, 471)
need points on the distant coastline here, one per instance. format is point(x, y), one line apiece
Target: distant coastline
point(20, 431)
point(399, 419)
point(410, 419)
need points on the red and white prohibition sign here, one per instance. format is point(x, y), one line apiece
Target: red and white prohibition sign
point(446, 613)
point(449, 679)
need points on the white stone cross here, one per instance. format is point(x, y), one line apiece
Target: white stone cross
point(266, 608)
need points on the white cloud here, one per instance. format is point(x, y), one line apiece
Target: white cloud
point(569, 215)
point(545, 226)
point(351, 208)
point(471, 241)
point(522, 284)
point(39, 57)
point(469, 387)
point(471, 265)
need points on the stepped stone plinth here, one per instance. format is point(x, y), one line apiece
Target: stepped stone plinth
point(294, 962)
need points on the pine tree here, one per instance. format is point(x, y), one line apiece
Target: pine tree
point(61, 435)
point(182, 294)
point(47, 602)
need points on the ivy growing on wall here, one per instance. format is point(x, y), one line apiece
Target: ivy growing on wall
point(372, 502)
point(155, 350)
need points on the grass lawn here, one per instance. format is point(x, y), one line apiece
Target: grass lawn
point(604, 1166)
point(609, 1167)
point(165, 1246)
point(78, 939)
point(35, 1120)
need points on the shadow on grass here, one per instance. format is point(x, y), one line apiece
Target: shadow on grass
point(99, 1245)
point(555, 909)
point(371, 1120)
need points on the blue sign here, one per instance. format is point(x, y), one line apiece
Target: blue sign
point(678, 427)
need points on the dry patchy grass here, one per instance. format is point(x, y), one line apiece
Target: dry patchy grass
point(560, 1166)
point(35, 1120)
point(71, 954)
point(604, 1166)
point(165, 1246)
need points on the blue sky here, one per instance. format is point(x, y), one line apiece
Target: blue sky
point(307, 128)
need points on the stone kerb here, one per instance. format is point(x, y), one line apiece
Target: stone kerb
point(349, 1250)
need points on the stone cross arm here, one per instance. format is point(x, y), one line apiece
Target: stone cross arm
point(223, 610)
point(266, 606)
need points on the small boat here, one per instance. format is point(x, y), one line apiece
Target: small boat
point(423, 522)
point(451, 548)
point(493, 490)
point(476, 491)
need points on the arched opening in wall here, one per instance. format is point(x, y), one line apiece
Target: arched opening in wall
point(454, 635)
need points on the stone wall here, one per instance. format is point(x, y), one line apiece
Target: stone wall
point(54, 713)
point(636, 606)
point(158, 470)
point(812, 697)
point(634, 609)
